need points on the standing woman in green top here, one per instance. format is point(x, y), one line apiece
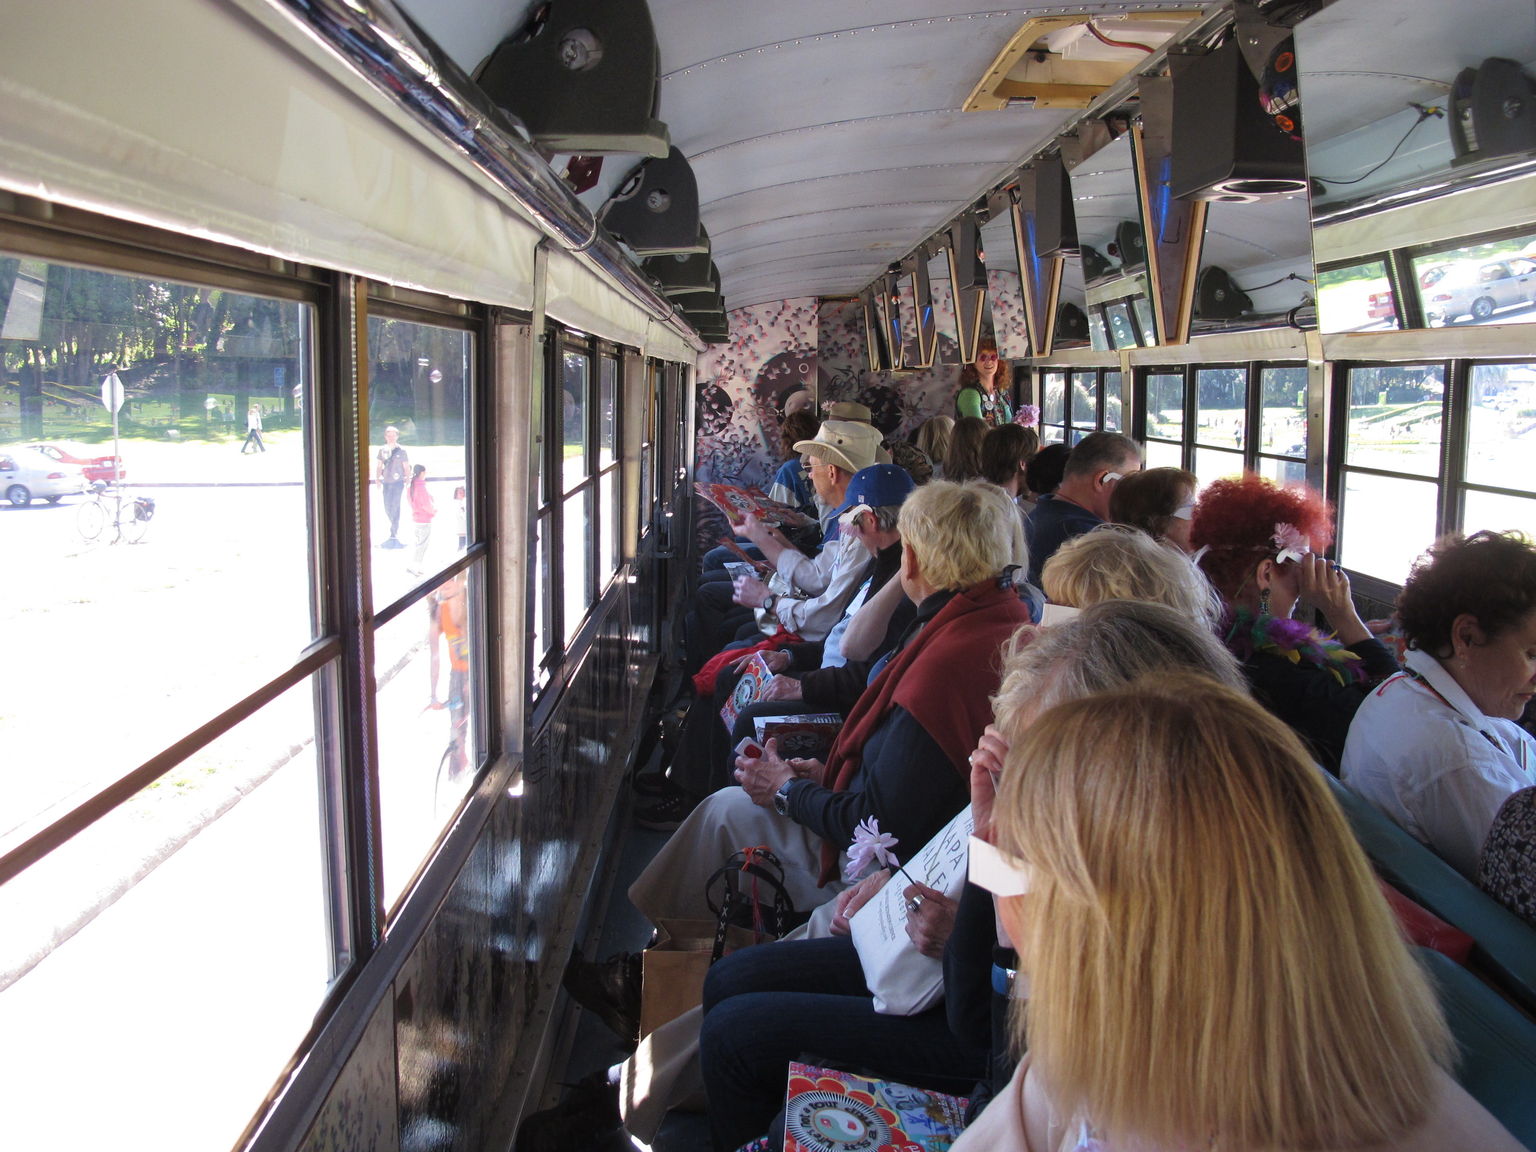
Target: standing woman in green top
point(981, 387)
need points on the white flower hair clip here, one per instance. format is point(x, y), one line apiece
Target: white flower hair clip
point(1291, 543)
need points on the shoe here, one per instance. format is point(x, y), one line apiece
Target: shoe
point(586, 1119)
point(652, 785)
point(610, 990)
point(666, 813)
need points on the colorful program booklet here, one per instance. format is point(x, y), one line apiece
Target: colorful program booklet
point(831, 1111)
point(807, 737)
point(748, 690)
point(738, 502)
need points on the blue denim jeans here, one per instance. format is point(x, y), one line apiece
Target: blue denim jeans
point(806, 1000)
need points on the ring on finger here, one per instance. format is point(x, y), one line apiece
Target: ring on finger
point(915, 903)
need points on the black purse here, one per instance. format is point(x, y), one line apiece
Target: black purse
point(747, 891)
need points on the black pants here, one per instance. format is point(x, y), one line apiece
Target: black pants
point(392, 492)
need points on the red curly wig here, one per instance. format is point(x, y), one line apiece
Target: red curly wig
point(1236, 520)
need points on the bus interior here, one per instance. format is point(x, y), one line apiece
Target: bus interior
point(351, 779)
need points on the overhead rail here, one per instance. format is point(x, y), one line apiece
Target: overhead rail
point(379, 41)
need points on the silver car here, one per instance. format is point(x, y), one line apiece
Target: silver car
point(1480, 293)
point(26, 474)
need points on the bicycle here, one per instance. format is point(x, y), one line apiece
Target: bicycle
point(127, 517)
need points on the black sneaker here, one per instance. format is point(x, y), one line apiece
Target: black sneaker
point(610, 990)
point(586, 1120)
point(666, 813)
point(652, 785)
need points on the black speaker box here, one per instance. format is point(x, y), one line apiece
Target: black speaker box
point(1225, 145)
point(1055, 219)
point(1493, 111)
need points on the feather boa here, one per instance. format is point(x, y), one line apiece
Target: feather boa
point(1296, 641)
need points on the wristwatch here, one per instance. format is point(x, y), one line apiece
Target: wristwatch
point(770, 601)
point(781, 797)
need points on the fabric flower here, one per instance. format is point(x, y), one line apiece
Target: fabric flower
point(1028, 416)
point(1291, 543)
point(870, 845)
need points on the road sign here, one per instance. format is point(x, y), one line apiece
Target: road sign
point(112, 393)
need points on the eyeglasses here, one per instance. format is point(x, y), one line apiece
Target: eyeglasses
point(1185, 511)
point(996, 871)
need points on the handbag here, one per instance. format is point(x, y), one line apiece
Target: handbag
point(747, 891)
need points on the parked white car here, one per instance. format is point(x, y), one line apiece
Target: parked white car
point(26, 474)
point(1480, 292)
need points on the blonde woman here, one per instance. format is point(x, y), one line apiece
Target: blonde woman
point(1116, 562)
point(1210, 963)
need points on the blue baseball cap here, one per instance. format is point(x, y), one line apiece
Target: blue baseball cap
point(878, 486)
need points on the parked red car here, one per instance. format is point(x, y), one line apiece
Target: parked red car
point(106, 469)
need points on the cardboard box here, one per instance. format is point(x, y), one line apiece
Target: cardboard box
point(673, 968)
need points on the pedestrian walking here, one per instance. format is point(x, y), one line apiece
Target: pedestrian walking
point(252, 431)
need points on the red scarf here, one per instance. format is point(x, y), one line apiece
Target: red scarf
point(943, 677)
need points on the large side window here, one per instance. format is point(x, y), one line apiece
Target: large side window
point(1390, 477)
point(1164, 410)
point(610, 542)
point(163, 870)
point(1499, 486)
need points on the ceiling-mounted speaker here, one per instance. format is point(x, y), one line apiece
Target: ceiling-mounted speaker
point(702, 307)
point(1130, 245)
point(1226, 146)
point(1096, 266)
point(680, 274)
point(581, 75)
point(965, 244)
point(1493, 111)
point(1217, 297)
point(1071, 325)
point(1055, 219)
point(656, 209)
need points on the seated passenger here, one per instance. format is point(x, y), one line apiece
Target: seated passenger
point(807, 595)
point(901, 755)
point(1159, 501)
point(1081, 501)
point(1438, 748)
point(1507, 869)
point(1308, 1026)
point(763, 1010)
point(1042, 475)
point(932, 436)
point(789, 485)
point(962, 461)
point(1005, 453)
point(1114, 562)
point(1256, 543)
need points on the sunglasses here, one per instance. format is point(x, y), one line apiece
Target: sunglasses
point(996, 871)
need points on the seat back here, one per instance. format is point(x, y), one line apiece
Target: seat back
point(1505, 945)
point(1496, 1042)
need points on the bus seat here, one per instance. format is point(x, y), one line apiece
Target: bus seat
point(1496, 1042)
point(1505, 945)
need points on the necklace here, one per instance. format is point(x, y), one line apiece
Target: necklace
point(1298, 642)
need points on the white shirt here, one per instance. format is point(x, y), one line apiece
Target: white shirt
point(812, 618)
point(1423, 754)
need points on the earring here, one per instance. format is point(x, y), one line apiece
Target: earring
point(1264, 602)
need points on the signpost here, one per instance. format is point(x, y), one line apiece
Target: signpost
point(112, 401)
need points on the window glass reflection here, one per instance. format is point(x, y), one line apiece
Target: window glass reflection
point(575, 576)
point(1395, 418)
point(1122, 330)
point(1222, 412)
point(1114, 401)
point(1498, 513)
point(162, 573)
point(538, 675)
point(1165, 405)
point(1053, 408)
point(1085, 401)
point(1161, 454)
point(1385, 523)
point(1501, 426)
point(1492, 283)
point(192, 913)
point(576, 389)
point(1283, 472)
point(1283, 411)
point(607, 411)
point(1215, 464)
point(424, 663)
point(418, 387)
point(1356, 299)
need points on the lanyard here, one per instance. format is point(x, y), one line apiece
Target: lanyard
point(1518, 754)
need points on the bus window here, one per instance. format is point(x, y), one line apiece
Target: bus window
point(1356, 299)
point(1488, 283)
point(1501, 416)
